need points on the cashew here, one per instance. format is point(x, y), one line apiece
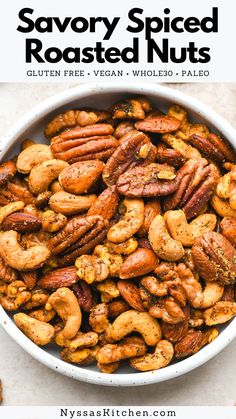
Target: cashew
point(130, 223)
point(41, 333)
point(32, 156)
point(65, 303)
point(19, 258)
point(185, 232)
point(10, 208)
point(162, 243)
point(43, 315)
point(221, 312)
point(162, 356)
point(197, 297)
point(84, 356)
point(44, 173)
point(222, 207)
point(128, 348)
point(80, 340)
point(135, 321)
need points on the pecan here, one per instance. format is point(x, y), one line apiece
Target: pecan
point(169, 156)
point(84, 295)
point(79, 177)
point(215, 258)
point(213, 147)
point(130, 292)
point(75, 117)
point(7, 273)
point(7, 171)
point(228, 229)
point(78, 237)
point(87, 143)
point(229, 293)
point(196, 181)
point(175, 332)
point(161, 124)
point(106, 204)
point(58, 278)
point(134, 149)
point(147, 181)
point(21, 222)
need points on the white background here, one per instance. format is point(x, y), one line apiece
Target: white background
point(26, 382)
point(12, 44)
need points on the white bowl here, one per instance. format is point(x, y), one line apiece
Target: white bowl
point(100, 96)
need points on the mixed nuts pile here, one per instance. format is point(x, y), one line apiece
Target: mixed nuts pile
point(118, 239)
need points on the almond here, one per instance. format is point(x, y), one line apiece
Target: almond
point(21, 222)
point(162, 124)
point(106, 204)
point(130, 293)
point(58, 278)
point(79, 177)
point(138, 263)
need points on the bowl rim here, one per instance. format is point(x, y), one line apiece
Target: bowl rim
point(138, 378)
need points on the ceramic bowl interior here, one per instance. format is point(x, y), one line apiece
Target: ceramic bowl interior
point(102, 96)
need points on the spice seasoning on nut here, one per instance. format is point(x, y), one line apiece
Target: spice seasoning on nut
point(118, 236)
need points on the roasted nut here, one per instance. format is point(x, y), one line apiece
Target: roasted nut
point(163, 245)
point(117, 307)
point(169, 156)
point(41, 333)
point(21, 222)
point(7, 171)
point(18, 258)
point(186, 233)
point(147, 181)
point(128, 348)
point(91, 268)
point(65, 303)
point(175, 332)
point(93, 142)
point(151, 209)
point(98, 318)
point(106, 204)
point(9, 209)
point(84, 356)
point(161, 357)
point(226, 187)
point(198, 297)
point(72, 118)
point(44, 173)
point(78, 237)
point(30, 278)
point(215, 258)
point(128, 154)
point(196, 183)
point(6, 272)
point(43, 315)
point(108, 368)
point(131, 109)
point(123, 248)
point(70, 204)
point(213, 147)
point(84, 295)
point(161, 124)
point(64, 277)
point(79, 177)
point(184, 148)
point(167, 310)
point(130, 222)
point(32, 156)
point(228, 229)
point(108, 290)
point(130, 292)
point(134, 321)
point(222, 207)
point(81, 340)
point(52, 222)
point(123, 128)
point(138, 263)
point(16, 296)
point(193, 342)
point(220, 313)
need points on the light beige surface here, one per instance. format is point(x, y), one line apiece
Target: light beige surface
point(26, 382)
